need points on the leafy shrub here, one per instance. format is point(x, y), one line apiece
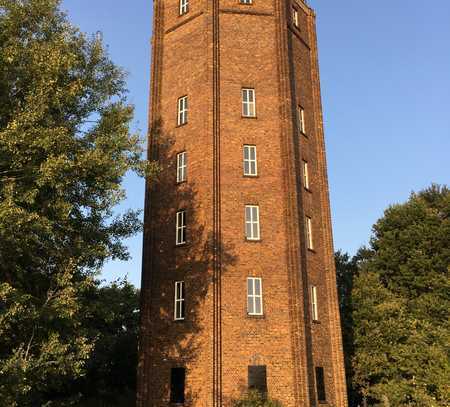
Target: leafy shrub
point(256, 399)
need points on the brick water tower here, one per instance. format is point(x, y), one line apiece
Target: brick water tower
point(238, 282)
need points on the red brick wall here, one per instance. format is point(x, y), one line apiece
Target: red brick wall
point(257, 47)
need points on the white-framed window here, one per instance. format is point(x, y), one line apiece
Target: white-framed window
point(301, 120)
point(250, 163)
point(254, 296)
point(181, 166)
point(314, 306)
point(182, 116)
point(179, 309)
point(184, 7)
point(295, 16)
point(181, 228)
point(246, 1)
point(252, 222)
point(305, 174)
point(248, 102)
point(309, 234)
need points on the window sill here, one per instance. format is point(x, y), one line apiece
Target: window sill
point(182, 182)
point(251, 176)
point(316, 322)
point(248, 117)
point(311, 250)
point(303, 134)
point(253, 240)
point(250, 316)
point(180, 245)
point(307, 190)
point(181, 125)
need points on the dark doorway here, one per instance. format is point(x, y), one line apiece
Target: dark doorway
point(177, 383)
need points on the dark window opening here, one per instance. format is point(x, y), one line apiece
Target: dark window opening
point(320, 383)
point(257, 379)
point(177, 382)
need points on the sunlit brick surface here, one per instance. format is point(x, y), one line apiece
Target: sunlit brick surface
point(210, 54)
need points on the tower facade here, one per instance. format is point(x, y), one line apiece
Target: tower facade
point(238, 283)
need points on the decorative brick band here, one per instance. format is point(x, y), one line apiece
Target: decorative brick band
point(248, 12)
point(217, 240)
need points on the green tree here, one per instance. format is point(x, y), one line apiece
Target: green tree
point(400, 302)
point(65, 146)
point(346, 271)
point(112, 321)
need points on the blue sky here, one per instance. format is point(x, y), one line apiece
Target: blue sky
point(385, 76)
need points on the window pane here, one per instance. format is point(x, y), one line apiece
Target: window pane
point(250, 309)
point(255, 231)
point(246, 167)
point(250, 286)
point(246, 153)
point(252, 153)
point(253, 168)
point(248, 213)
point(257, 286)
point(254, 213)
point(248, 230)
point(258, 305)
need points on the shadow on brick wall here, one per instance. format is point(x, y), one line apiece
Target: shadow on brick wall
point(165, 343)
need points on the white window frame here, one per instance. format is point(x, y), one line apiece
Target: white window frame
point(309, 233)
point(180, 236)
point(181, 166)
point(306, 180)
point(248, 102)
point(314, 304)
point(295, 16)
point(253, 296)
point(252, 164)
point(182, 115)
point(252, 221)
point(301, 120)
point(184, 7)
point(179, 306)
point(246, 1)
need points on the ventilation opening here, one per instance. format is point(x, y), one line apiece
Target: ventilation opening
point(177, 383)
point(257, 379)
point(320, 383)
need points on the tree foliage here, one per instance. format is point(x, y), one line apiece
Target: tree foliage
point(112, 321)
point(399, 305)
point(255, 399)
point(65, 146)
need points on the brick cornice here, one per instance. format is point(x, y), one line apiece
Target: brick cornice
point(248, 12)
